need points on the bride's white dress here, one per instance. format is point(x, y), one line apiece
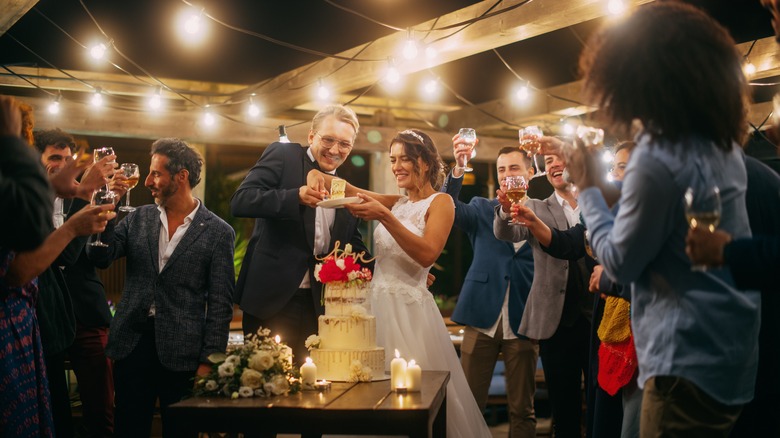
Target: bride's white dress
point(407, 319)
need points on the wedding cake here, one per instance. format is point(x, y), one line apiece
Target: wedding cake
point(338, 187)
point(345, 348)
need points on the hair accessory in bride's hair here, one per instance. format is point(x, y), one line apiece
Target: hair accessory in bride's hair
point(414, 134)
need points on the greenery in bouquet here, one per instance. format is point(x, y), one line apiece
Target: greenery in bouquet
point(261, 367)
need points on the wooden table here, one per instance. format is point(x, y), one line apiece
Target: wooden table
point(347, 408)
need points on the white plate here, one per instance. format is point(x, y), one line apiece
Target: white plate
point(339, 203)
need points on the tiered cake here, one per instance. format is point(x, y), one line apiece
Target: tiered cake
point(346, 349)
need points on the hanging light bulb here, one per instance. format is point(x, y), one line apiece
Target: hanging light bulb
point(607, 156)
point(208, 117)
point(616, 7)
point(192, 26)
point(253, 110)
point(749, 68)
point(322, 91)
point(97, 97)
point(98, 51)
point(283, 134)
point(392, 75)
point(155, 102)
point(54, 106)
point(431, 87)
point(523, 92)
point(410, 47)
point(431, 53)
point(568, 129)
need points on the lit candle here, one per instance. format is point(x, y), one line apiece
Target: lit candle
point(413, 376)
point(397, 372)
point(308, 373)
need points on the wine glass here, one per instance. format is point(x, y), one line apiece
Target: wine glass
point(516, 188)
point(102, 196)
point(130, 170)
point(103, 152)
point(702, 210)
point(469, 136)
point(529, 142)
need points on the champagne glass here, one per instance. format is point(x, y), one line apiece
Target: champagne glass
point(529, 142)
point(130, 170)
point(469, 136)
point(102, 196)
point(516, 188)
point(702, 210)
point(103, 152)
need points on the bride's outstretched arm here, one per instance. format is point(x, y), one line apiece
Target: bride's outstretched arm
point(320, 182)
point(423, 249)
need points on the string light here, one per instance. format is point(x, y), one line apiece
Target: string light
point(192, 26)
point(410, 47)
point(283, 134)
point(97, 97)
point(323, 93)
point(98, 51)
point(208, 117)
point(54, 106)
point(252, 110)
point(155, 102)
point(749, 68)
point(616, 7)
point(523, 92)
point(392, 75)
point(568, 129)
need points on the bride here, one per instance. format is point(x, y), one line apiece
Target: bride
point(410, 236)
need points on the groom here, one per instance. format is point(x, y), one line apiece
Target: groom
point(276, 287)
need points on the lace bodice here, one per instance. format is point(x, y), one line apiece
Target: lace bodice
point(395, 271)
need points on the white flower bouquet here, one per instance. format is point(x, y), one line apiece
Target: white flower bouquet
point(262, 367)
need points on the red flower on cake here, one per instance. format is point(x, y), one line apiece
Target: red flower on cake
point(342, 265)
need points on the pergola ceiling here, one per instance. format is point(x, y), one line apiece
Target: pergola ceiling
point(526, 33)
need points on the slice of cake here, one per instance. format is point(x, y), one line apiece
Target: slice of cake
point(337, 188)
point(346, 349)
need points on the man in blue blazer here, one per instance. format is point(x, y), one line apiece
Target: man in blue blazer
point(493, 297)
point(176, 305)
point(276, 288)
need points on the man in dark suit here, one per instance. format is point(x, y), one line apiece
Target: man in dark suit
point(493, 297)
point(176, 305)
point(559, 307)
point(276, 288)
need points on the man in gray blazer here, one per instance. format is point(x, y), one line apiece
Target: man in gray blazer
point(558, 310)
point(176, 305)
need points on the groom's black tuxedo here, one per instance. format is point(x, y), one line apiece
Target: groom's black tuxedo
point(281, 248)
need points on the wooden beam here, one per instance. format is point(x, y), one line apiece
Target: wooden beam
point(11, 11)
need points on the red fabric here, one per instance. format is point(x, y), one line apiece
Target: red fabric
point(617, 365)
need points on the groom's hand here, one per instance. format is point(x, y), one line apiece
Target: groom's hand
point(310, 197)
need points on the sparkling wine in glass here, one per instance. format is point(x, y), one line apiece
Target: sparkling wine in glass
point(702, 210)
point(529, 142)
point(130, 170)
point(102, 196)
point(469, 136)
point(103, 152)
point(516, 188)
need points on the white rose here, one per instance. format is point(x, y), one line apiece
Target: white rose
point(211, 385)
point(226, 369)
point(348, 248)
point(278, 385)
point(340, 264)
point(367, 374)
point(234, 359)
point(317, 270)
point(245, 392)
point(261, 361)
point(355, 366)
point(251, 378)
point(313, 341)
point(358, 310)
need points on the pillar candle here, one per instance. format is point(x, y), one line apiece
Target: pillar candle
point(308, 372)
point(397, 372)
point(413, 376)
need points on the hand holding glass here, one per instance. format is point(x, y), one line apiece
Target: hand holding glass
point(130, 170)
point(469, 136)
point(103, 152)
point(516, 188)
point(702, 210)
point(102, 196)
point(529, 142)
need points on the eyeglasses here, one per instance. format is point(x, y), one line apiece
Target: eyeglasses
point(329, 142)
